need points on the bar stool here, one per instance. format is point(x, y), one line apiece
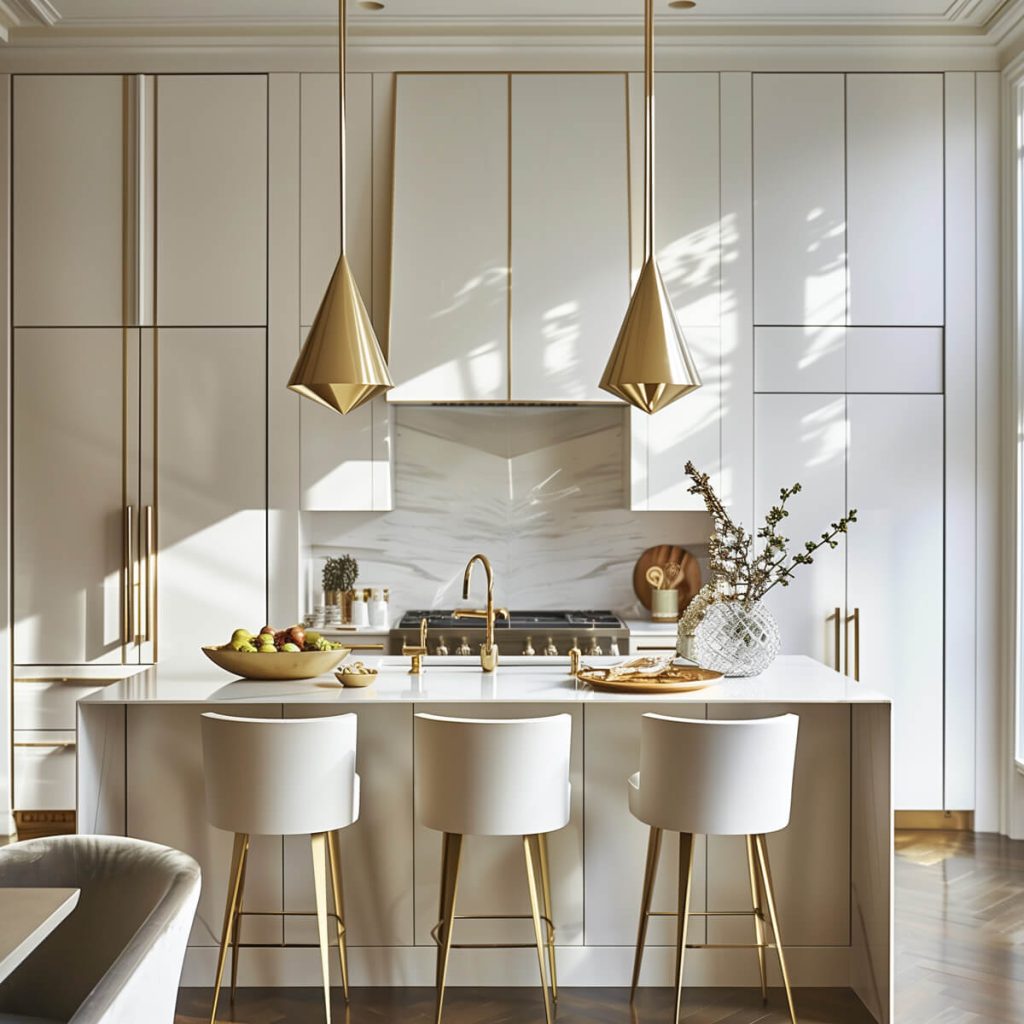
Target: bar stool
point(282, 777)
point(494, 778)
point(714, 778)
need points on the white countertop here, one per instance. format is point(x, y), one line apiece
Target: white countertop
point(790, 680)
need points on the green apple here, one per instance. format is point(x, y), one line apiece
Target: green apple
point(291, 648)
point(241, 636)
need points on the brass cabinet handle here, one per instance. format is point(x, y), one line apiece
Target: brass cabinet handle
point(57, 744)
point(855, 619)
point(129, 575)
point(836, 616)
point(365, 647)
point(150, 602)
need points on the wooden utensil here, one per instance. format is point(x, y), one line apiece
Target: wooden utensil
point(656, 577)
point(672, 573)
point(687, 584)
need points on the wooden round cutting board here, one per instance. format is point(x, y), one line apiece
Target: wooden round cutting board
point(689, 581)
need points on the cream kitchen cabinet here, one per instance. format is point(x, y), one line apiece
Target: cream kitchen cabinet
point(895, 199)
point(69, 565)
point(799, 199)
point(883, 455)
point(211, 200)
point(345, 461)
point(68, 182)
point(210, 473)
point(449, 334)
point(510, 268)
point(569, 216)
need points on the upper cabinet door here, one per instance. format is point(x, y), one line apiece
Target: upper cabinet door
point(570, 233)
point(895, 199)
point(319, 230)
point(68, 200)
point(799, 200)
point(211, 187)
point(449, 278)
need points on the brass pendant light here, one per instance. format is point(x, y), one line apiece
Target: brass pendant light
point(650, 365)
point(341, 365)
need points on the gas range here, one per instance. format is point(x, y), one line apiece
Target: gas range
point(528, 632)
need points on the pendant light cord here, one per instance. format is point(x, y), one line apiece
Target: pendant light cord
point(342, 142)
point(648, 129)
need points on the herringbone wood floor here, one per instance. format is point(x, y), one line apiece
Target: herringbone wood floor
point(959, 960)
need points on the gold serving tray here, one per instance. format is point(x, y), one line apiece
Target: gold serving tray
point(282, 666)
point(675, 679)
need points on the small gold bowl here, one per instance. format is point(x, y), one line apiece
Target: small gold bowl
point(356, 679)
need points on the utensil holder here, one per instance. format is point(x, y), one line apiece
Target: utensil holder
point(664, 605)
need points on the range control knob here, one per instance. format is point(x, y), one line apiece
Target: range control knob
point(594, 650)
point(550, 650)
point(441, 650)
point(528, 647)
point(613, 648)
point(464, 649)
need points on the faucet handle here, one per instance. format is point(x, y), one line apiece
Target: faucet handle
point(502, 613)
point(469, 613)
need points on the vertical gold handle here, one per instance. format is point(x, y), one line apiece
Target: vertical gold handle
point(855, 619)
point(150, 603)
point(129, 575)
point(835, 617)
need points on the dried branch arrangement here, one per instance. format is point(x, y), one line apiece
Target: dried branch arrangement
point(747, 566)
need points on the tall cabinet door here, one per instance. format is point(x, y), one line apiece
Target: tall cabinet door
point(68, 190)
point(689, 248)
point(802, 439)
point(569, 204)
point(895, 200)
point(895, 576)
point(211, 488)
point(69, 495)
point(799, 200)
point(449, 273)
point(211, 200)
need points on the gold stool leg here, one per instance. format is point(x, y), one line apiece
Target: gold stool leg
point(238, 855)
point(334, 852)
point(758, 905)
point(545, 880)
point(451, 857)
point(650, 874)
point(769, 890)
point(237, 930)
point(531, 880)
point(318, 842)
point(685, 875)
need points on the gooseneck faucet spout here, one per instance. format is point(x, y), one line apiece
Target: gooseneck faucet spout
point(488, 649)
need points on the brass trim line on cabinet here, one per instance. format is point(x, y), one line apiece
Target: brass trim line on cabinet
point(150, 602)
point(55, 744)
point(935, 821)
point(855, 619)
point(129, 575)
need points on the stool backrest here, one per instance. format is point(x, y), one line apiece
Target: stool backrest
point(280, 776)
point(493, 777)
point(716, 777)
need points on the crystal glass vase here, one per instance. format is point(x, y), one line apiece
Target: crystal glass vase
point(736, 640)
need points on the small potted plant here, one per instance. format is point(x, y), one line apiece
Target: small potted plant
point(727, 627)
point(339, 577)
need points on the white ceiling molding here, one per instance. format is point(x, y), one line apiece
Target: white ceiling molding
point(913, 34)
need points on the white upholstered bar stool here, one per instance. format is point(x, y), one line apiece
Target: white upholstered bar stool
point(726, 778)
point(489, 777)
point(282, 777)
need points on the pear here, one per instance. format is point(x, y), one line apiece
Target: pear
point(241, 636)
point(291, 648)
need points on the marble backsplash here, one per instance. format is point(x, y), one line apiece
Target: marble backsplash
point(543, 492)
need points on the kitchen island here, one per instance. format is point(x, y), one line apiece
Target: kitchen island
point(140, 774)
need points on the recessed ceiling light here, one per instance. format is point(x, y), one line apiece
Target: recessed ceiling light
point(370, 5)
point(682, 5)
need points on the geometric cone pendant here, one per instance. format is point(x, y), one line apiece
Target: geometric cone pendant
point(341, 365)
point(650, 365)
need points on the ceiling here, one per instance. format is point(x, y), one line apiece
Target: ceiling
point(219, 15)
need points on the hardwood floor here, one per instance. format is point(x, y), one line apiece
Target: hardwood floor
point(959, 960)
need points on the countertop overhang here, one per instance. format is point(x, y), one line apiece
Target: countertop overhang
point(790, 680)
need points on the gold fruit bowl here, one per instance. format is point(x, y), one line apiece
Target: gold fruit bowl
point(282, 665)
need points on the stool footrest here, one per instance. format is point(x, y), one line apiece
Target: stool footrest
point(434, 932)
point(708, 913)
